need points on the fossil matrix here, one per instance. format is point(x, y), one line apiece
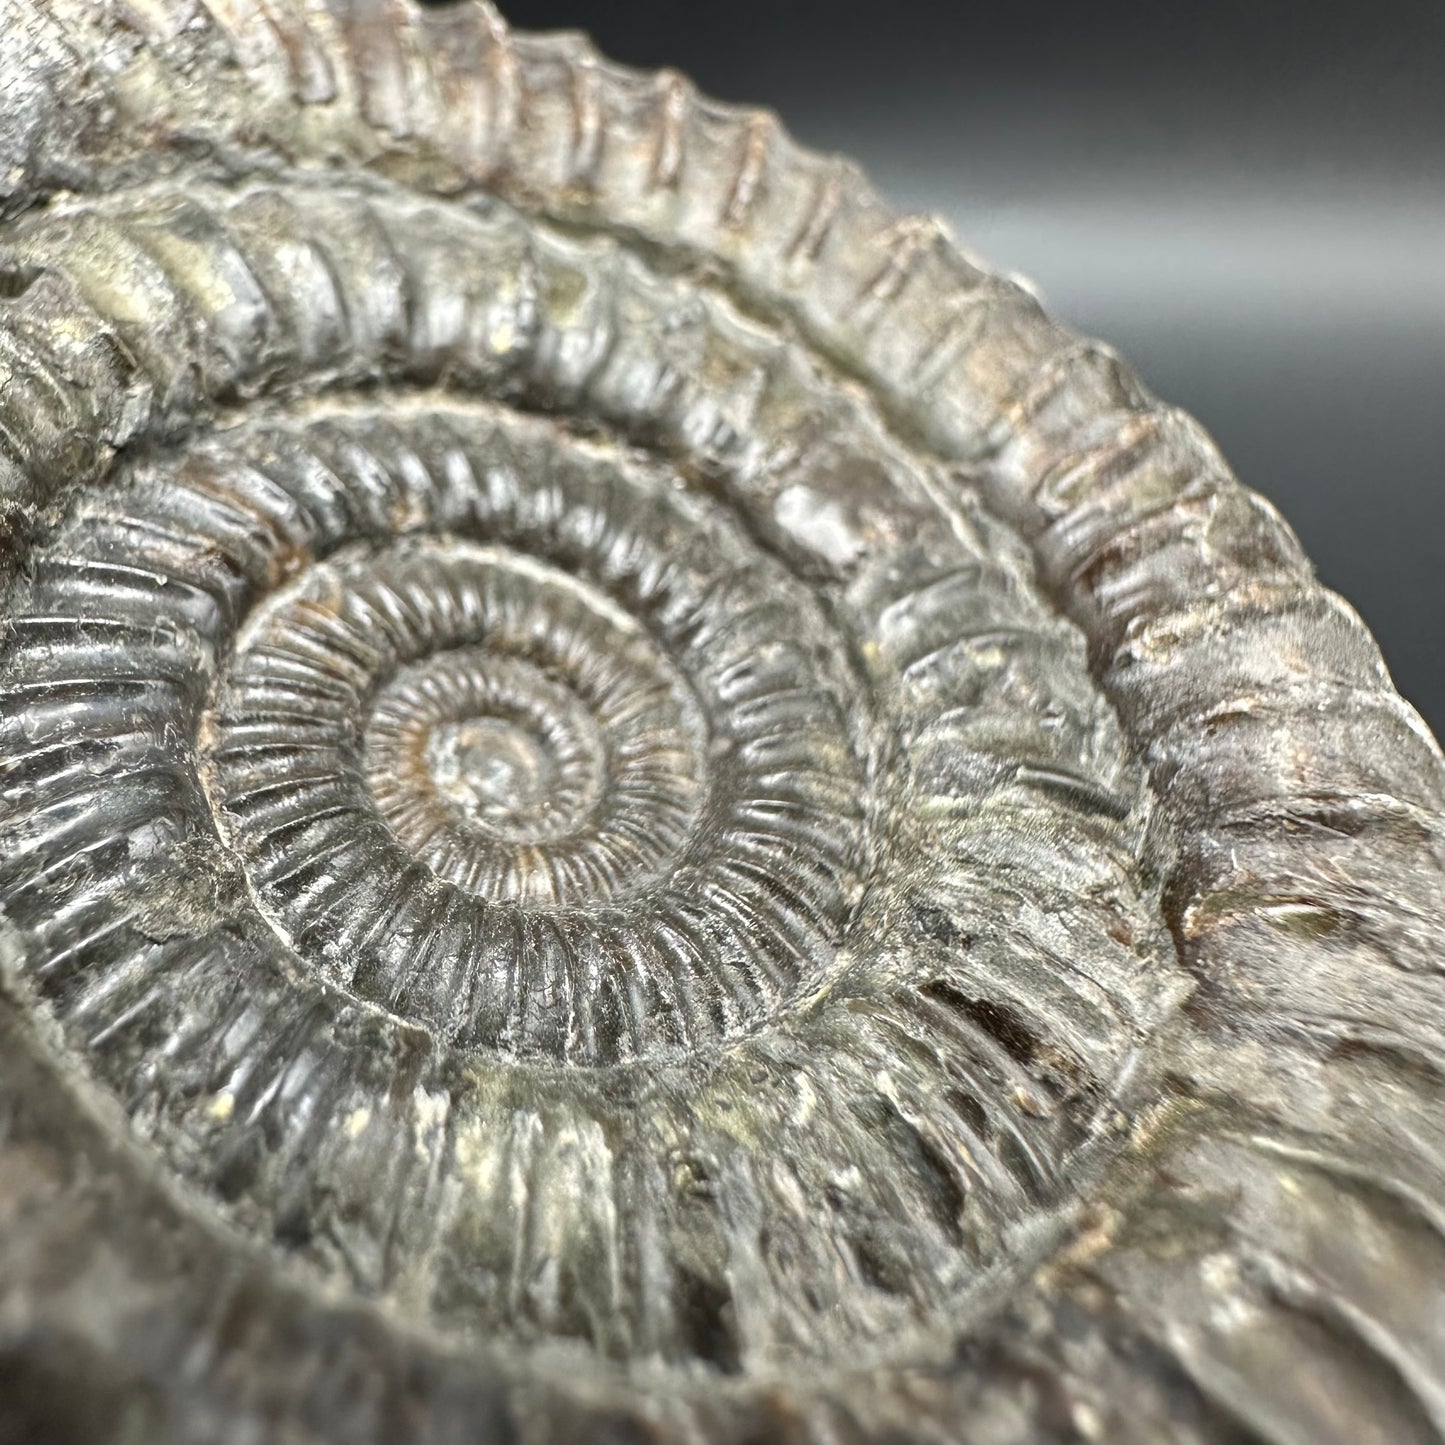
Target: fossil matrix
point(636, 804)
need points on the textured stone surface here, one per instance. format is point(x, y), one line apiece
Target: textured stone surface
point(636, 804)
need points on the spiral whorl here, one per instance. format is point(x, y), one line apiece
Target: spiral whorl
point(636, 804)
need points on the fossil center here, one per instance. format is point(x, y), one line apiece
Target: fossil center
point(496, 770)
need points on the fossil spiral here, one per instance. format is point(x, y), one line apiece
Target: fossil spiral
point(635, 804)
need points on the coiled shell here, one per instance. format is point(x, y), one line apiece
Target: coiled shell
point(637, 804)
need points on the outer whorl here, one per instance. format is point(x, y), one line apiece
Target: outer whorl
point(635, 804)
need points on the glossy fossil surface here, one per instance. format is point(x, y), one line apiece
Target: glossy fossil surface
point(636, 803)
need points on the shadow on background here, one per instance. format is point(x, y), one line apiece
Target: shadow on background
point(1247, 199)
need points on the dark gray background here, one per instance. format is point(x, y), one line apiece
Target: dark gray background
point(1247, 199)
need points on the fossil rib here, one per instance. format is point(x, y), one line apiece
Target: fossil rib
point(636, 804)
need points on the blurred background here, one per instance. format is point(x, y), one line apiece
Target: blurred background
point(1246, 197)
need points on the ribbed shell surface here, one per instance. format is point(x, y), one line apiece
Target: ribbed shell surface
point(637, 805)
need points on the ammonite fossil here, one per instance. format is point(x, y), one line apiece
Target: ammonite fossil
point(636, 805)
